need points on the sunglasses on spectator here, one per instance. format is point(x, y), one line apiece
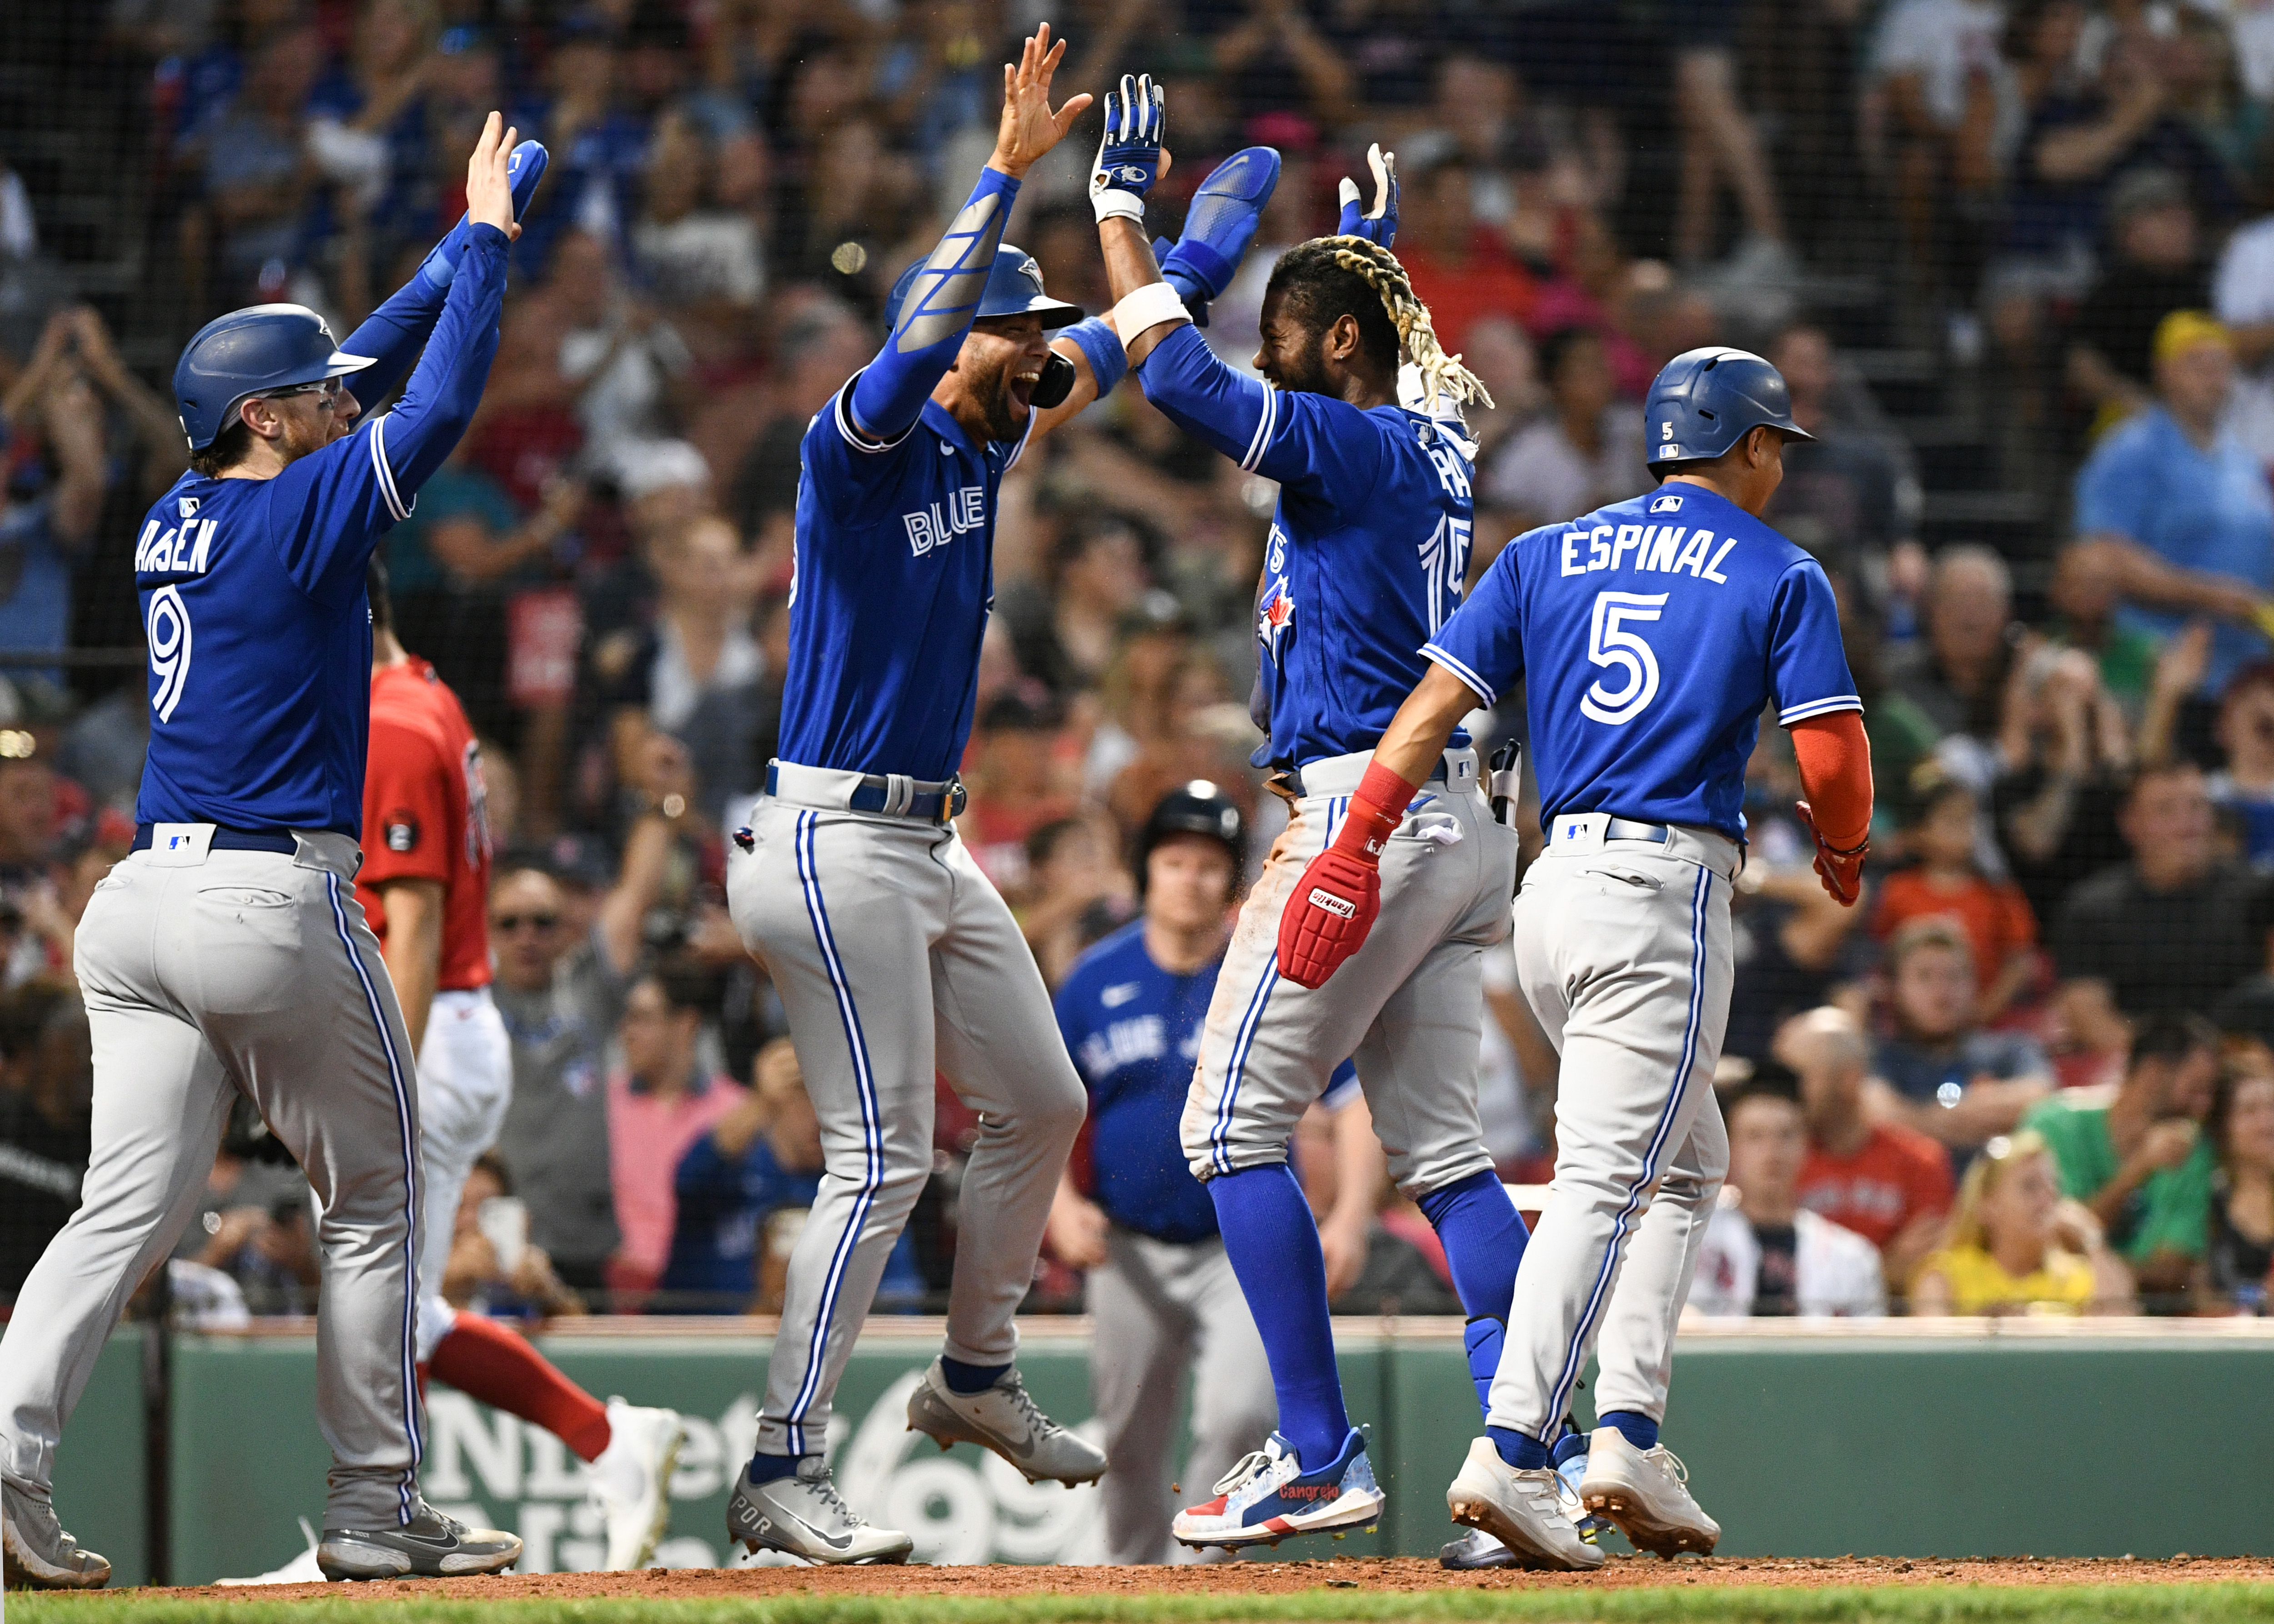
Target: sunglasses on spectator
point(326, 390)
point(516, 921)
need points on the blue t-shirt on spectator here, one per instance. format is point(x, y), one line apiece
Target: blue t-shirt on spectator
point(723, 1208)
point(457, 491)
point(35, 583)
point(2204, 510)
point(1918, 1072)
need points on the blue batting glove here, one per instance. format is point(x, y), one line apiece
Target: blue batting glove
point(1380, 223)
point(522, 170)
point(1129, 155)
point(1218, 228)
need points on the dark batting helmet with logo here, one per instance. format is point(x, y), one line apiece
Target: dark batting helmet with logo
point(1195, 809)
point(1014, 288)
point(1704, 401)
point(248, 352)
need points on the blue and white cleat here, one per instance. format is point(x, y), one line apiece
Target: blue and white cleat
point(1269, 1497)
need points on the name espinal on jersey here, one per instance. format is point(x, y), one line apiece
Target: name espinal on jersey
point(1661, 549)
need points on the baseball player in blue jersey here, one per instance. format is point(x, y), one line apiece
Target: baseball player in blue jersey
point(1649, 636)
point(894, 956)
point(1368, 551)
point(227, 953)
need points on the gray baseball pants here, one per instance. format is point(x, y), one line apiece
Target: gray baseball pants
point(896, 959)
point(1623, 950)
point(249, 972)
point(1408, 1005)
point(1159, 1308)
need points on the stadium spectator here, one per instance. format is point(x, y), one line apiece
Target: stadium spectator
point(2137, 1157)
point(1065, 621)
point(2243, 790)
point(2017, 1247)
point(1943, 1074)
point(1934, 68)
point(560, 988)
point(1851, 496)
point(1943, 880)
point(2247, 1008)
point(703, 264)
point(480, 1277)
point(1459, 266)
point(659, 1102)
point(246, 237)
point(2085, 594)
point(2240, 1130)
point(2064, 761)
point(2170, 929)
point(1764, 1254)
point(2187, 511)
point(48, 1076)
point(1956, 673)
point(55, 475)
point(2157, 269)
point(1889, 1183)
point(1584, 452)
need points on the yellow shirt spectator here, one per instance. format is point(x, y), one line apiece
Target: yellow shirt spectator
point(2060, 1284)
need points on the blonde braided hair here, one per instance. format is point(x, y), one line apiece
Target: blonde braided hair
point(1417, 334)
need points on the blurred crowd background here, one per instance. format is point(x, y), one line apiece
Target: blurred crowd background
point(2015, 261)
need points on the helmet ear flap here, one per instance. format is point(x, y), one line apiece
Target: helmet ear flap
point(1056, 383)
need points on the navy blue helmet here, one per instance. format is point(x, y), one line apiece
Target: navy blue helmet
point(1014, 287)
point(248, 352)
point(1704, 401)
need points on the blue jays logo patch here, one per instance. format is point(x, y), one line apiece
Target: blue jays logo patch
point(1274, 615)
point(1668, 503)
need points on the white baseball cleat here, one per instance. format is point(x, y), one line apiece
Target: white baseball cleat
point(803, 1516)
point(1477, 1549)
point(631, 1480)
point(1647, 1492)
point(36, 1552)
point(1004, 1419)
point(1521, 1509)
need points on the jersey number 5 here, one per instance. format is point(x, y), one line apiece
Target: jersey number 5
point(168, 632)
point(1608, 645)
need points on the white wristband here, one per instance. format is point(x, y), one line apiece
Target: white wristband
point(1111, 203)
point(1149, 307)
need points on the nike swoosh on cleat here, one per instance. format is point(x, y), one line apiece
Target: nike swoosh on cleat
point(835, 1542)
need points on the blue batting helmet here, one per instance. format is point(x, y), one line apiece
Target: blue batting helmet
point(1705, 401)
point(1014, 288)
point(250, 352)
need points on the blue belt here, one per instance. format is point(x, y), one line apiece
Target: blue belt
point(874, 795)
point(233, 840)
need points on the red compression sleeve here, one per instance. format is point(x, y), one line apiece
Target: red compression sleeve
point(1375, 813)
point(1835, 773)
point(485, 1361)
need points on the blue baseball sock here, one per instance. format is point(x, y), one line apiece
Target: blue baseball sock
point(1273, 1243)
point(1484, 1237)
point(1638, 1428)
point(766, 1468)
point(1520, 1450)
point(969, 1378)
point(1482, 1338)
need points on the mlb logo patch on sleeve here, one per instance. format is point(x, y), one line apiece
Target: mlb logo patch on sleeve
point(402, 831)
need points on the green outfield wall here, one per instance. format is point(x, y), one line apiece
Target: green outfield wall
point(2139, 1440)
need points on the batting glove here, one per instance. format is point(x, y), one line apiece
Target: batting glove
point(1380, 223)
point(1129, 155)
point(1841, 868)
point(1339, 895)
point(522, 170)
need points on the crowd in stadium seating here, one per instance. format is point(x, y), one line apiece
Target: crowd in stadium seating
point(2034, 1070)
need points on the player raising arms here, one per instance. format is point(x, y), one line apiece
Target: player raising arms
point(893, 954)
point(1366, 559)
point(1649, 635)
point(226, 954)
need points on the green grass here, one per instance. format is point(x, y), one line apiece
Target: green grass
point(1941, 1604)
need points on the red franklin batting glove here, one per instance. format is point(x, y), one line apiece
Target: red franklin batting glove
point(1335, 901)
point(1841, 868)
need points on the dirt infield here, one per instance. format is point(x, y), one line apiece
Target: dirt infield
point(1400, 1574)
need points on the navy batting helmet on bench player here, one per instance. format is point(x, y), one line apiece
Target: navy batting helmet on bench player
point(1704, 401)
point(1195, 809)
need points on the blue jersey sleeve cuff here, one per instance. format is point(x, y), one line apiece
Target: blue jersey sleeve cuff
point(1801, 712)
point(859, 437)
point(1476, 684)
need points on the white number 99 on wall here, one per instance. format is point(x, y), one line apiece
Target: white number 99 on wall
point(169, 633)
